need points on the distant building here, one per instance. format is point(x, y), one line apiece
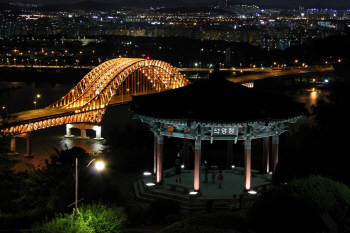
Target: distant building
point(246, 9)
point(222, 4)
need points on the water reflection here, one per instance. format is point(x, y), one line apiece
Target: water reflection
point(89, 145)
point(314, 96)
point(309, 97)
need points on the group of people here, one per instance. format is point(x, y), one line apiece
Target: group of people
point(220, 179)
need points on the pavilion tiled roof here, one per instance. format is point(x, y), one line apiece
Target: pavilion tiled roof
point(217, 100)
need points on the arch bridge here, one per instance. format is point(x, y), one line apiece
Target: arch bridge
point(112, 82)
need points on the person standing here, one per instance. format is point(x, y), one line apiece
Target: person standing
point(177, 168)
point(213, 175)
point(220, 179)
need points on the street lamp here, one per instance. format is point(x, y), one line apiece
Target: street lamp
point(35, 101)
point(56, 61)
point(14, 61)
point(99, 166)
point(5, 109)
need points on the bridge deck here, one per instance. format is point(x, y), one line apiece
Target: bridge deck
point(54, 112)
point(273, 73)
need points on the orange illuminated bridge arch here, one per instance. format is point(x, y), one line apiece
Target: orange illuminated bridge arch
point(115, 81)
point(112, 82)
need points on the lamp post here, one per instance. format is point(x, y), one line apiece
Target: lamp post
point(99, 166)
point(35, 101)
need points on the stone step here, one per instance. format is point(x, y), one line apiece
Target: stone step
point(185, 202)
point(138, 195)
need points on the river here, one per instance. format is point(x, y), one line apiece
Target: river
point(44, 141)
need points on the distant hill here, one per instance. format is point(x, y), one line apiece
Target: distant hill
point(192, 9)
point(7, 6)
point(319, 6)
point(90, 5)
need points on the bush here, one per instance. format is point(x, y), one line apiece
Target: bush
point(63, 223)
point(92, 218)
point(214, 223)
point(295, 207)
point(103, 218)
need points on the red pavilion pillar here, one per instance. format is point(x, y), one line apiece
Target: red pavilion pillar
point(155, 148)
point(266, 155)
point(229, 154)
point(275, 147)
point(247, 163)
point(197, 165)
point(160, 142)
point(186, 153)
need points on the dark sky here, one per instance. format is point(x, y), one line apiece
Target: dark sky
point(290, 3)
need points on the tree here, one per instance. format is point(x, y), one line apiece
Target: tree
point(51, 188)
point(8, 179)
point(295, 207)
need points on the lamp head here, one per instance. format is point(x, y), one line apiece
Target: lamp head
point(99, 165)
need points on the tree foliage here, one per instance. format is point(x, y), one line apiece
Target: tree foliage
point(295, 207)
point(8, 179)
point(51, 188)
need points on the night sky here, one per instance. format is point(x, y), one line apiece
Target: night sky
point(290, 3)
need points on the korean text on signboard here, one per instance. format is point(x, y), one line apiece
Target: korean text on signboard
point(224, 131)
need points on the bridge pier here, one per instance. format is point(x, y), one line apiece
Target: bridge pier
point(13, 147)
point(83, 127)
point(68, 131)
point(29, 144)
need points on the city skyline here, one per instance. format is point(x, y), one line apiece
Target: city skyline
point(288, 3)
